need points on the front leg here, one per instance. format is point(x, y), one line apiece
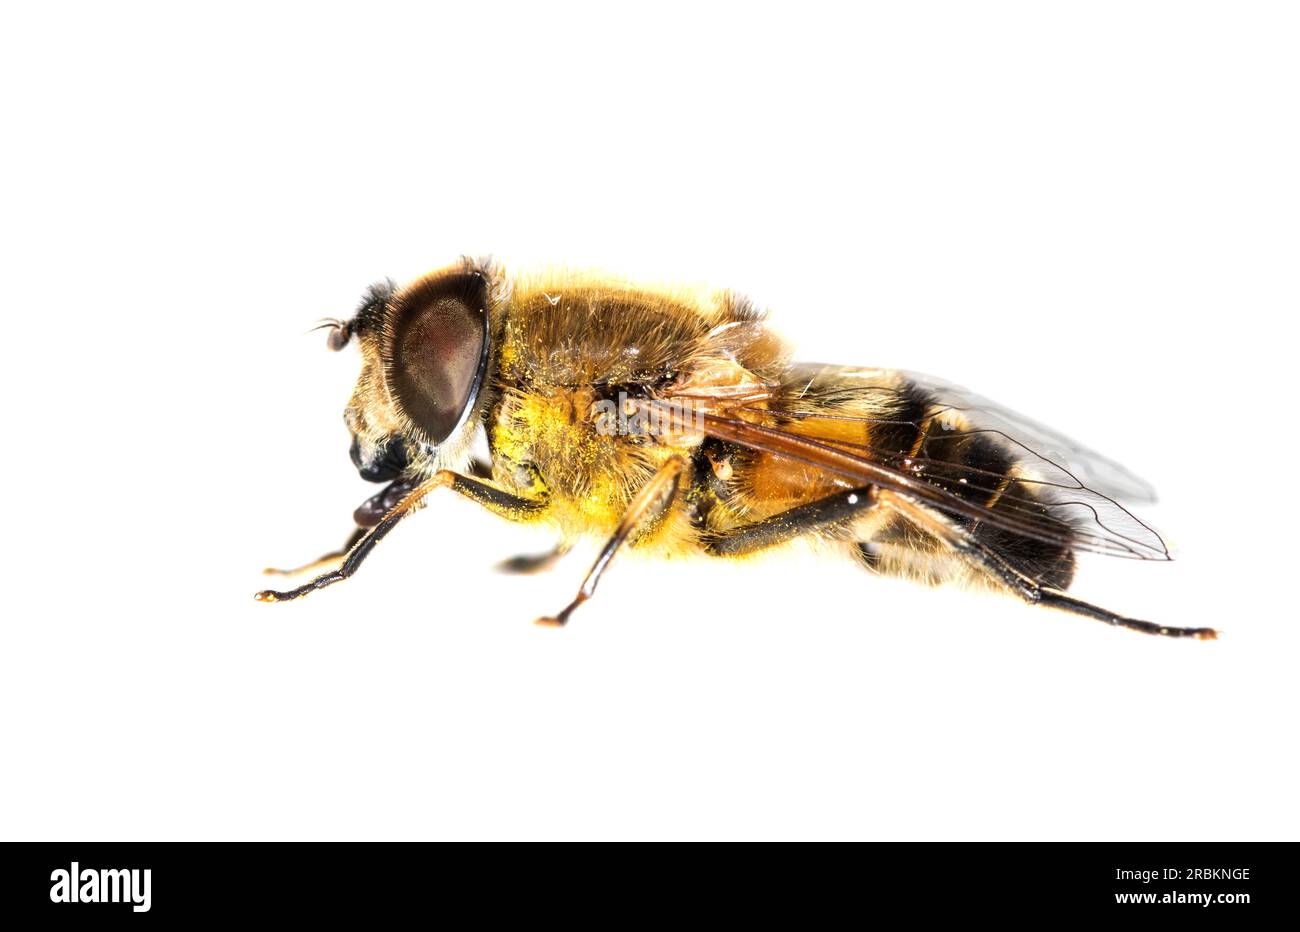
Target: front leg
point(494, 499)
point(367, 515)
point(324, 560)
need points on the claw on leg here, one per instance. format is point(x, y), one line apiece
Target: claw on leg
point(562, 619)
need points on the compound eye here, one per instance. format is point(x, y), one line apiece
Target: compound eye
point(438, 351)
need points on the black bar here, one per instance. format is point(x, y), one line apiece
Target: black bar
point(377, 882)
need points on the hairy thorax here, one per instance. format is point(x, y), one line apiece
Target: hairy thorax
point(581, 364)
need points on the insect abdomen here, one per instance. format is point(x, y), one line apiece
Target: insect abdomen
point(907, 429)
point(978, 467)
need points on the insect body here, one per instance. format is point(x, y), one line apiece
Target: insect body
point(674, 420)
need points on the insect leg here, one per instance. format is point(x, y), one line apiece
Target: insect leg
point(787, 525)
point(324, 560)
point(988, 561)
point(525, 564)
point(649, 504)
point(492, 498)
point(1054, 598)
point(366, 516)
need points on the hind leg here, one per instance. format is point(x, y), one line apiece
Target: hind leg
point(795, 522)
point(962, 542)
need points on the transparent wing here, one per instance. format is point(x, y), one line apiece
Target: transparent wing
point(1043, 498)
point(1091, 468)
point(1047, 449)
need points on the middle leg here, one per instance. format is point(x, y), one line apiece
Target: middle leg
point(649, 504)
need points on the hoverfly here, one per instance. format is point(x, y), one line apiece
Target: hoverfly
point(673, 420)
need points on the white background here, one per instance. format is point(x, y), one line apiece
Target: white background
point(1087, 211)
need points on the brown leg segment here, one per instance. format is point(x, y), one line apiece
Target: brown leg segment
point(649, 504)
point(324, 560)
